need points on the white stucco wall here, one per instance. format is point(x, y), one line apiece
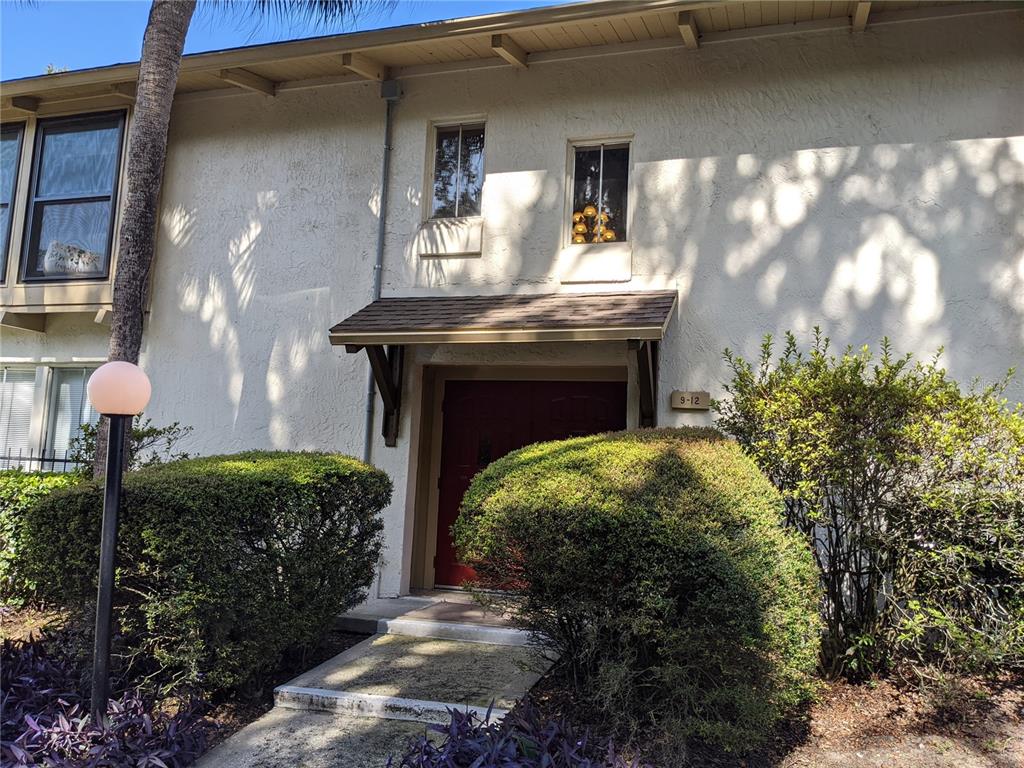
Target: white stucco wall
point(872, 184)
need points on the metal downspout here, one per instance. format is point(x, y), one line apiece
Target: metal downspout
point(391, 92)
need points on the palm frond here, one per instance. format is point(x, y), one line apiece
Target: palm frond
point(318, 14)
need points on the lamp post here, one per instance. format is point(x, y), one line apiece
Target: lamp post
point(119, 391)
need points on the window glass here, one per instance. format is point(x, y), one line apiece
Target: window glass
point(77, 236)
point(600, 183)
point(458, 171)
point(78, 161)
point(69, 409)
point(10, 145)
point(17, 386)
point(71, 209)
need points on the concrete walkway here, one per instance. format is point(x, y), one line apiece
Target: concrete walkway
point(427, 653)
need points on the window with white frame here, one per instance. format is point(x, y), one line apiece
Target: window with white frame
point(17, 391)
point(42, 439)
point(72, 193)
point(10, 154)
point(458, 177)
point(600, 182)
point(69, 409)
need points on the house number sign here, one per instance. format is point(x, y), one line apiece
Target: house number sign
point(690, 401)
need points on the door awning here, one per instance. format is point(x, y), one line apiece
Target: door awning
point(634, 315)
point(385, 327)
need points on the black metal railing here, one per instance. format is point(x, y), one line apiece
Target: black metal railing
point(29, 461)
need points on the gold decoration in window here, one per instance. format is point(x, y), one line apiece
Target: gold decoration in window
point(590, 226)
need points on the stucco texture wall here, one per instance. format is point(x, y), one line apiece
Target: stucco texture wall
point(869, 184)
point(872, 185)
point(266, 240)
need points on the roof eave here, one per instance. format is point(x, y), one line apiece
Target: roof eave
point(497, 336)
point(354, 41)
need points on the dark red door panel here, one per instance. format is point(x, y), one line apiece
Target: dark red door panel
point(484, 420)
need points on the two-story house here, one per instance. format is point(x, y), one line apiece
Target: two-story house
point(518, 227)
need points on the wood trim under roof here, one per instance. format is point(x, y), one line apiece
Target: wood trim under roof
point(505, 318)
point(524, 38)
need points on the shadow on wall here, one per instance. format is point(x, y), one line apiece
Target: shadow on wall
point(865, 241)
point(260, 341)
point(923, 243)
point(522, 226)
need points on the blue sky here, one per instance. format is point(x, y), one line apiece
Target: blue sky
point(82, 33)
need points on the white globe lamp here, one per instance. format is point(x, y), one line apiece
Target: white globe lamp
point(118, 388)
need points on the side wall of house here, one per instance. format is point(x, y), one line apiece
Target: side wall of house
point(872, 185)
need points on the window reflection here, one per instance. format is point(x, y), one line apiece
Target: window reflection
point(458, 171)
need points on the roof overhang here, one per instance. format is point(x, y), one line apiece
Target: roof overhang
point(538, 36)
point(508, 318)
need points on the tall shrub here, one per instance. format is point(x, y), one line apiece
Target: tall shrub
point(654, 565)
point(910, 491)
point(224, 563)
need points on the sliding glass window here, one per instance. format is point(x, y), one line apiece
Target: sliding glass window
point(70, 225)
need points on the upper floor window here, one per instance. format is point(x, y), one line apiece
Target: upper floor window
point(10, 152)
point(458, 171)
point(70, 224)
point(599, 187)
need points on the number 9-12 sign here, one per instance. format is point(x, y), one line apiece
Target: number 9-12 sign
point(690, 401)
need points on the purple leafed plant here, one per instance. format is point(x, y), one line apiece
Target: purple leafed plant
point(46, 721)
point(520, 740)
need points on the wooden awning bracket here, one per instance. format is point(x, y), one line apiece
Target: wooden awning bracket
point(387, 364)
point(647, 379)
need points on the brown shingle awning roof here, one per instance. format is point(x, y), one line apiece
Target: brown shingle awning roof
point(508, 318)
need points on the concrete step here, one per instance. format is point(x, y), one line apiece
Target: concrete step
point(415, 678)
point(442, 630)
point(372, 705)
point(447, 615)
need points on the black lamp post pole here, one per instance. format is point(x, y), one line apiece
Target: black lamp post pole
point(108, 547)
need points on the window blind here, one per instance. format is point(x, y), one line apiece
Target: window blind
point(69, 410)
point(16, 389)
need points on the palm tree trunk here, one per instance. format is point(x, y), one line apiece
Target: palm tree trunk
point(162, 47)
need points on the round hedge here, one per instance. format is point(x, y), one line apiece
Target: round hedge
point(223, 563)
point(654, 564)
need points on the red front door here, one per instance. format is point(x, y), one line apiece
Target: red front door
point(484, 420)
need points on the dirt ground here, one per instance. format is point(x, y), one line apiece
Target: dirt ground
point(874, 725)
point(880, 726)
point(21, 623)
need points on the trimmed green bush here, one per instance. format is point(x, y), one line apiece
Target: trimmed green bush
point(224, 563)
point(654, 564)
point(18, 491)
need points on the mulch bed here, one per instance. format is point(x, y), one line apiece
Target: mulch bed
point(970, 724)
point(23, 623)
